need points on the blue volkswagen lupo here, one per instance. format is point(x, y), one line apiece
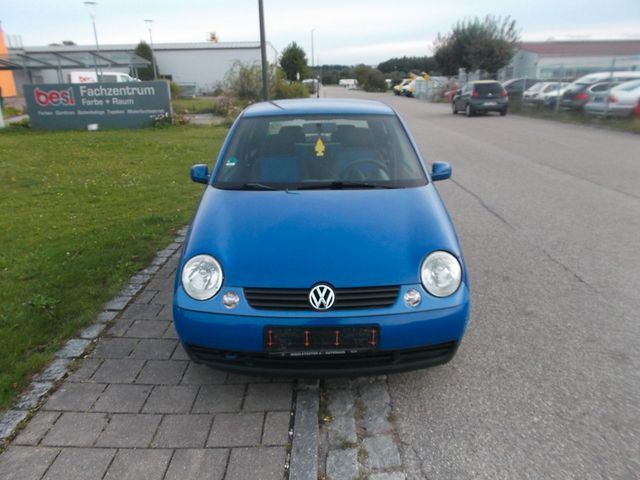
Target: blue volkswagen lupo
point(320, 247)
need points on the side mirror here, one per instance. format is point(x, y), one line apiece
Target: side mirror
point(200, 173)
point(440, 171)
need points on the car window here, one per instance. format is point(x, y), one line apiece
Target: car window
point(488, 88)
point(343, 151)
point(515, 86)
point(629, 86)
point(603, 87)
point(538, 87)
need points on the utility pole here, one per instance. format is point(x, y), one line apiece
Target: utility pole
point(263, 54)
point(149, 23)
point(91, 6)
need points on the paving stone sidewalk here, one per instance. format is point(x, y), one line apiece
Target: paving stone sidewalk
point(358, 438)
point(138, 409)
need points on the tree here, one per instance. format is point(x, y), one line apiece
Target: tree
point(408, 64)
point(477, 44)
point(294, 61)
point(369, 79)
point(144, 50)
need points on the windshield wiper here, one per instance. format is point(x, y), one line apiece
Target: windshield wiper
point(339, 185)
point(257, 186)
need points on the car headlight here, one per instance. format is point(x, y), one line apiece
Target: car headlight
point(202, 277)
point(441, 274)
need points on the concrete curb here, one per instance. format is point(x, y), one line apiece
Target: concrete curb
point(47, 380)
point(304, 448)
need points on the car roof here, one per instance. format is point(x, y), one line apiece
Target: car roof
point(598, 76)
point(318, 106)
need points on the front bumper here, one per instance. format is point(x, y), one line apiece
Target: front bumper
point(408, 338)
point(380, 362)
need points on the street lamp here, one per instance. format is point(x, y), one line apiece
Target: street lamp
point(312, 57)
point(149, 23)
point(91, 7)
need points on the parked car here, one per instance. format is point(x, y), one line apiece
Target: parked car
point(579, 100)
point(409, 89)
point(348, 83)
point(283, 270)
point(82, 76)
point(397, 89)
point(91, 77)
point(576, 95)
point(551, 94)
point(481, 96)
point(620, 101)
point(542, 93)
point(118, 77)
point(312, 85)
point(517, 86)
point(530, 95)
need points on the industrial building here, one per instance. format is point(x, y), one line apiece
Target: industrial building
point(572, 59)
point(199, 67)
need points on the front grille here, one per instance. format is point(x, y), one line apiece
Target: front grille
point(298, 298)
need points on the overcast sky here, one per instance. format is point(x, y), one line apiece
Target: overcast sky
point(346, 32)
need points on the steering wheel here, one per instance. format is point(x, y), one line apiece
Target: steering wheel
point(354, 172)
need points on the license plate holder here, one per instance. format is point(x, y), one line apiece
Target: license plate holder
point(314, 341)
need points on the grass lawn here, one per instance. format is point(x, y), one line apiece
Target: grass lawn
point(81, 212)
point(624, 124)
point(193, 105)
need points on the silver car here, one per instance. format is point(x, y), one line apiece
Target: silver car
point(620, 101)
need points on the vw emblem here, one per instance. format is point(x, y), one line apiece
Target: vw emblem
point(321, 297)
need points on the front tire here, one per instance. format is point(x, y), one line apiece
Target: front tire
point(503, 112)
point(468, 111)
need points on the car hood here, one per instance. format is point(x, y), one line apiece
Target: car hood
point(343, 237)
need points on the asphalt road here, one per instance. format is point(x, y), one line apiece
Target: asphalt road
point(546, 384)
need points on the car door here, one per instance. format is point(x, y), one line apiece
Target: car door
point(461, 102)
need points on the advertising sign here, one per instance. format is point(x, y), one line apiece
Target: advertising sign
point(65, 106)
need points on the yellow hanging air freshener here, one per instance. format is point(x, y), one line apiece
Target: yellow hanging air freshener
point(319, 148)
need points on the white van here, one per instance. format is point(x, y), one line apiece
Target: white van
point(83, 77)
point(91, 77)
point(117, 77)
point(348, 83)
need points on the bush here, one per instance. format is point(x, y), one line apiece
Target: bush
point(281, 89)
point(370, 79)
point(375, 82)
point(24, 123)
point(10, 111)
point(175, 90)
point(243, 86)
point(244, 81)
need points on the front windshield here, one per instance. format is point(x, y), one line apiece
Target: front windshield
point(320, 152)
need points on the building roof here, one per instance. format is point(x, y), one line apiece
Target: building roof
point(156, 46)
point(313, 106)
point(35, 58)
point(86, 56)
point(583, 47)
